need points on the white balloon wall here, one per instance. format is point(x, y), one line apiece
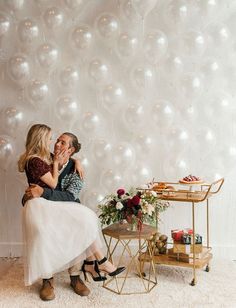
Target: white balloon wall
point(147, 85)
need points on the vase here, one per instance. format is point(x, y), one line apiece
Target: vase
point(132, 226)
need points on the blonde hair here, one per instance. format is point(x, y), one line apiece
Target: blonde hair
point(36, 145)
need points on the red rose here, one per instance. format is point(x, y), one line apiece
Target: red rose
point(120, 192)
point(136, 200)
point(130, 203)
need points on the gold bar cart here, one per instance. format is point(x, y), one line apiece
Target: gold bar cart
point(193, 195)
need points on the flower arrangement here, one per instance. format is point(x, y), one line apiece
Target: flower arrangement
point(134, 206)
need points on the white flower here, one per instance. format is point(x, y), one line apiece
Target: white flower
point(154, 193)
point(119, 206)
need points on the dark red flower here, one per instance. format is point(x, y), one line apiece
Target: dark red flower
point(136, 200)
point(120, 192)
point(130, 203)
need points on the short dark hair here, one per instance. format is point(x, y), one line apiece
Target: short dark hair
point(73, 142)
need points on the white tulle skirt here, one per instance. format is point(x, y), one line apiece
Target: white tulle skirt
point(57, 235)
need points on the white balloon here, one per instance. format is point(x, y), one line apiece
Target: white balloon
point(4, 24)
point(155, 46)
point(67, 108)
point(92, 199)
point(6, 151)
point(144, 7)
point(112, 97)
point(123, 155)
point(128, 10)
point(37, 92)
point(142, 76)
point(53, 17)
point(163, 113)
point(101, 150)
point(14, 4)
point(81, 37)
point(144, 143)
point(19, 68)
point(142, 174)
point(108, 25)
point(91, 122)
point(12, 119)
point(111, 180)
point(127, 45)
point(74, 4)
point(69, 76)
point(47, 55)
point(98, 70)
point(194, 43)
point(28, 31)
point(192, 86)
point(133, 116)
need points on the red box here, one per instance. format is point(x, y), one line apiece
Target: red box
point(177, 233)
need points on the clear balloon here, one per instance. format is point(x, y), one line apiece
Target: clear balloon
point(142, 174)
point(129, 11)
point(111, 180)
point(144, 7)
point(191, 86)
point(14, 4)
point(108, 25)
point(155, 46)
point(144, 143)
point(92, 122)
point(142, 76)
point(92, 199)
point(219, 34)
point(74, 4)
point(194, 43)
point(69, 77)
point(47, 55)
point(53, 17)
point(28, 31)
point(67, 108)
point(123, 155)
point(133, 117)
point(6, 152)
point(19, 68)
point(12, 119)
point(112, 97)
point(37, 92)
point(127, 45)
point(163, 113)
point(98, 71)
point(4, 24)
point(81, 37)
point(101, 150)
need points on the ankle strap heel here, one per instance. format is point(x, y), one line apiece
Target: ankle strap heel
point(115, 272)
point(99, 277)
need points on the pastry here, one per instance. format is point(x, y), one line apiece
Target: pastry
point(191, 179)
point(159, 186)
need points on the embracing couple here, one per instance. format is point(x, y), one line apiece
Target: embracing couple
point(59, 233)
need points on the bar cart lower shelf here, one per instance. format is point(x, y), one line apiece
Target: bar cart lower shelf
point(169, 259)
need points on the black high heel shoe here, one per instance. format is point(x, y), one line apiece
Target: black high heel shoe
point(114, 273)
point(99, 277)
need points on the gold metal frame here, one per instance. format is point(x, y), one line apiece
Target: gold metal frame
point(148, 281)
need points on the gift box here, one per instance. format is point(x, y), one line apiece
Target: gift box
point(178, 247)
point(178, 233)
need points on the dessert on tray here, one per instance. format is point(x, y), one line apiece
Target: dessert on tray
point(191, 179)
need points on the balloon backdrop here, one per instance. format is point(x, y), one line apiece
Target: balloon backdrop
point(148, 86)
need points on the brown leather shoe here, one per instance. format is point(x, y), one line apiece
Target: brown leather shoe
point(78, 286)
point(46, 293)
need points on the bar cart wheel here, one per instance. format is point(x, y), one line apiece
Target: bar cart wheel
point(207, 268)
point(193, 282)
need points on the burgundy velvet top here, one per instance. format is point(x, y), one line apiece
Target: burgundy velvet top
point(36, 168)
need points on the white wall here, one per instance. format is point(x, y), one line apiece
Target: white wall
point(161, 103)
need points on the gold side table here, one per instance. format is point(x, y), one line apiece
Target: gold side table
point(117, 235)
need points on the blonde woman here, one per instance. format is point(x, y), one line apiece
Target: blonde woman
point(58, 234)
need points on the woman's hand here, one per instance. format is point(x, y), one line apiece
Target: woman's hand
point(79, 168)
